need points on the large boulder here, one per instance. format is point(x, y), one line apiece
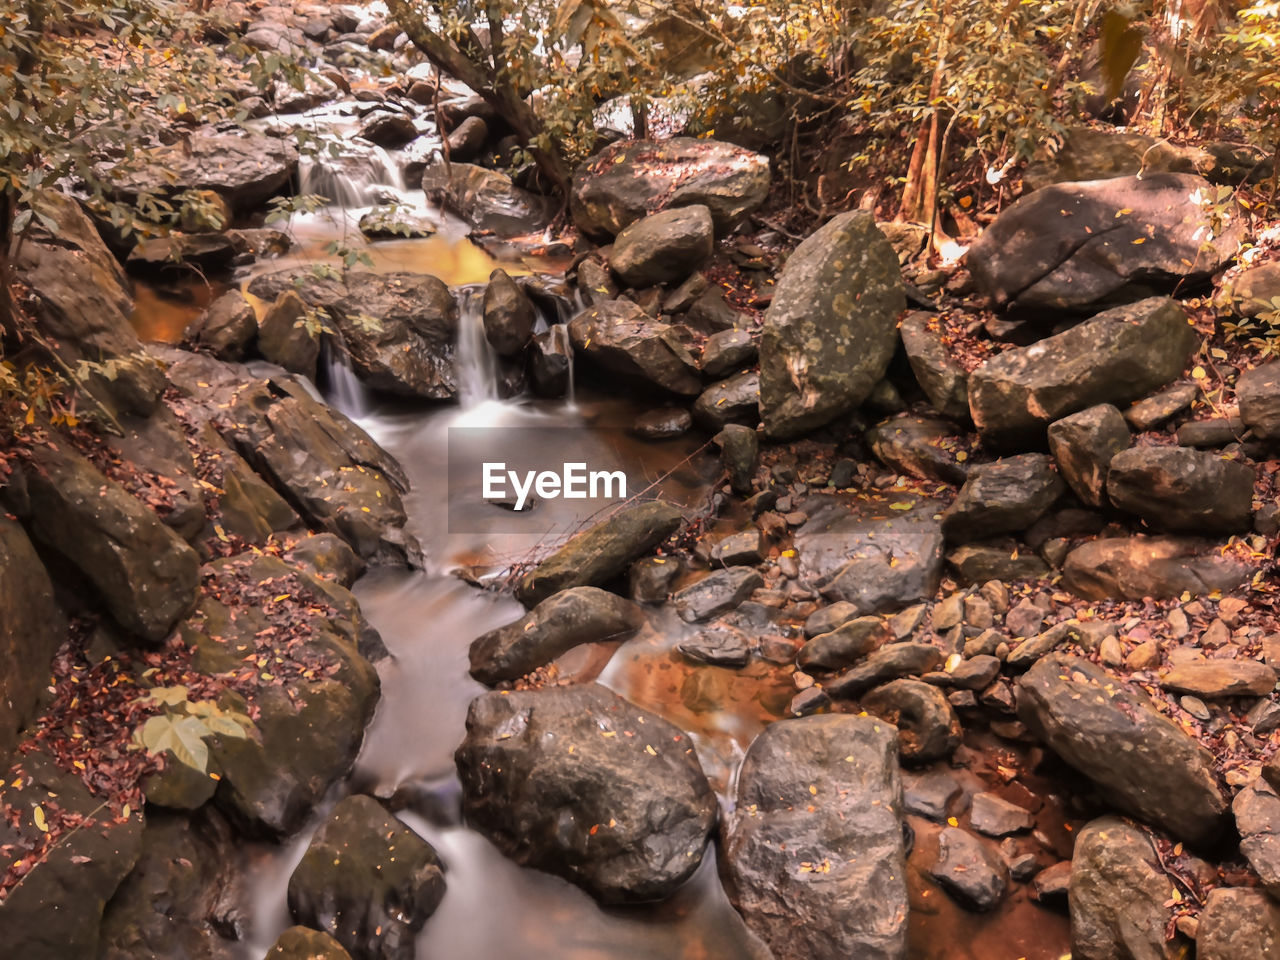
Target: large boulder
point(578, 782)
point(1131, 568)
point(32, 628)
point(1118, 894)
point(1006, 496)
point(813, 850)
point(400, 329)
point(556, 625)
point(487, 200)
point(601, 552)
point(1074, 245)
point(146, 575)
point(1141, 761)
point(1118, 356)
point(1177, 488)
point(620, 338)
point(664, 247)
point(629, 180)
point(509, 315)
point(368, 881)
point(831, 329)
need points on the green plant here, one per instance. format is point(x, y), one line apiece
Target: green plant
point(183, 726)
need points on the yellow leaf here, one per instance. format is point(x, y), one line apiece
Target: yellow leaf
point(952, 822)
point(1198, 373)
point(38, 816)
point(1140, 240)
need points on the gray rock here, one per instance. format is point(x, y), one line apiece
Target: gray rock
point(813, 853)
point(828, 618)
point(1140, 760)
point(1115, 357)
point(1258, 391)
point(928, 728)
point(1177, 488)
point(973, 874)
point(735, 399)
point(663, 423)
point(844, 645)
point(1032, 649)
point(620, 338)
point(997, 817)
point(1006, 496)
point(663, 247)
point(1214, 432)
point(1256, 809)
point(930, 794)
point(1130, 568)
point(509, 315)
point(739, 452)
point(226, 328)
point(998, 560)
point(739, 549)
point(717, 593)
point(890, 662)
point(486, 199)
point(941, 378)
point(1238, 924)
point(727, 350)
point(1151, 412)
point(651, 578)
point(624, 817)
point(1083, 446)
point(919, 446)
point(389, 129)
point(466, 140)
point(719, 644)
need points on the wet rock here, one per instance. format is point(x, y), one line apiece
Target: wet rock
point(828, 618)
point(631, 179)
point(1002, 497)
point(1052, 882)
point(147, 576)
point(1238, 924)
point(32, 628)
point(556, 625)
point(973, 874)
point(919, 446)
point(226, 328)
point(929, 794)
point(367, 880)
point(389, 129)
point(328, 557)
point(467, 139)
point(717, 593)
point(509, 315)
point(890, 662)
point(808, 702)
point(621, 339)
point(1083, 446)
point(181, 252)
point(663, 247)
point(719, 644)
point(733, 400)
point(55, 913)
point(928, 728)
point(624, 817)
point(601, 552)
point(941, 378)
point(813, 851)
point(997, 817)
point(1256, 809)
point(397, 224)
point(1130, 568)
point(1118, 894)
point(880, 559)
point(1258, 391)
point(739, 452)
point(1178, 488)
point(486, 199)
point(844, 645)
point(551, 362)
point(300, 943)
point(831, 328)
point(739, 549)
point(663, 423)
point(651, 578)
point(727, 350)
point(1072, 245)
point(1213, 679)
point(1139, 760)
point(1115, 357)
point(285, 335)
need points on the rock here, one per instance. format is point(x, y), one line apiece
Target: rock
point(663, 423)
point(975, 673)
point(663, 247)
point(1238, 924)
point(1115, 357)
point(556, 625)
point(929, 794)
point(1118, 894)
point(299, 943)
point(727, 350)
point(1024, 620)
point(1151, 412)
point(147, 577)
point(327, 557)
point(1213, 679)
point(890, 662)
point(997, 817)
point(998, 560)
point(487, 200)
point(941, 378)
point(1214, 432)
point(389, 129)
point(1177, 488)
point(621, 339)
point(1140, 761)
point(880, 559)
point(1052, 883)
point(285, 336)
point(919, 446)
point(843, 645)
point(813, 853)
point(631, 179)
point(1256, 809)
point(928, 728)
point(467, 139)
point(1258, 391)
point(716, 593)
point(551, 362)
point(1087, 153)
point(1033, 648)
point(226, 328)
point(244, 167)
point(509, 315)
point(56, 912)
point(1254, 291)
point(190, 252)
point(1130, 568)
point(719, 644)
point(733, 400)
point(1006, 496)
point(624, 817)
point(32, 627)
point(408, 351)
point(828, 618)
point(1083, 446)
point(739, 549)
point(712, 312)
point(739, 452)
point(830, 330)
point(652, 577)
point(367, 880)
point(1072, 245)
point(969, 871)
point(382, 223)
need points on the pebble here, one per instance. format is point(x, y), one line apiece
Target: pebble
point(1196, 707)
point(808, 701)
point(997, 817)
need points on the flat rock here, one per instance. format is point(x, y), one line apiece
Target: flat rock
point(919, 446)
point(890, 662)
point(1130, 568)
point(1003, 560)
point(844, 645)
point(717, 593)
point(997, 817)
point(735, 399)
point(1212, 679)
point(719, 644)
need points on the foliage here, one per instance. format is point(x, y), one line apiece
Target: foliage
point(184, 725)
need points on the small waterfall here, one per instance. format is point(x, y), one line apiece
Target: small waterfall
point(560, 337)
point(475, 363)
point(343, 387)
point(358, 177)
